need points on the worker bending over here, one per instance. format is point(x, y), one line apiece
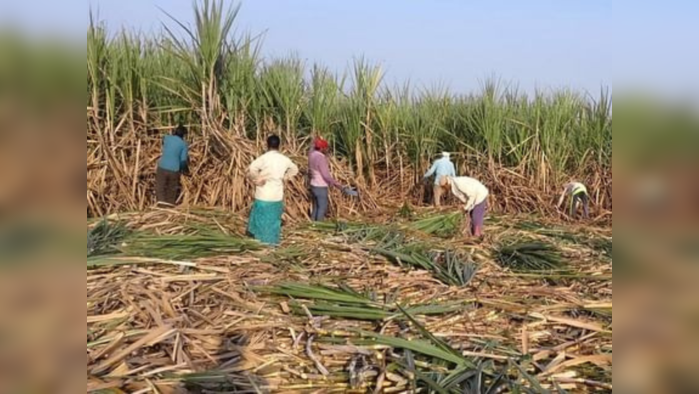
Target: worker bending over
point(577, 193)
point(441, 168)
point(472, 193)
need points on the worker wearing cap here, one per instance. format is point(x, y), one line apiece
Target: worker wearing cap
point(475, 197)
point(441, 168)
point(577, 193)
point(320, 179)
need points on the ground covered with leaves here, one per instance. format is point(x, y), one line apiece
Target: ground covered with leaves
point(182, 302)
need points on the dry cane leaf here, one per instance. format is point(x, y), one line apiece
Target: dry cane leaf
point(155, 336)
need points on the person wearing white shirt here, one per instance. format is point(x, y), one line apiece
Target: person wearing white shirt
point(475, 197)
point(268, 173)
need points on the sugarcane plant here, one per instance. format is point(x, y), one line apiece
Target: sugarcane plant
point(602, 245)
point(213, 76)
point(342, 301)
point(527, 256)
point(445, 226)
point(448, 267)
point(185, 247)
point(444, 369)
point(105, 237)
point(459, 269)
point(363, 233)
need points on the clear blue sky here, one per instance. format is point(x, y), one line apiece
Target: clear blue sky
point(657, 45)
point(456, 43)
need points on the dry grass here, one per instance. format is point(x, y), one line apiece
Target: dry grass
point(121, 178)
point(163, 326)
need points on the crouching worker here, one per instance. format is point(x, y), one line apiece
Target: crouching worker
point(577, 193)
point(472, 193)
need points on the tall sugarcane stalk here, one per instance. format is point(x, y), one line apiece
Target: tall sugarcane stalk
point(209, 77)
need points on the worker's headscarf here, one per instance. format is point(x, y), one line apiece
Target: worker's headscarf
point(446, 155)
point(320, 143)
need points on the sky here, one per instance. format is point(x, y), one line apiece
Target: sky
point(656, 46)
point(531, 44)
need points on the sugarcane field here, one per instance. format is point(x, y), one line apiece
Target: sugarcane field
point(262, 224)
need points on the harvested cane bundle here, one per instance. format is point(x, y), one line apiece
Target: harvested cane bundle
point(401, 358)
point(367, 313)
point(448, 267)
point(453, 266)
point(105, 237)
point(602, 245)
point(405, 211)
point(528, 256)
point(299, 290)
point(344, 302)
point(185, 221)
point(444, 226)
point(432, 347)
point(457, 374)
point(186, 247)
point(340, 227)
point(361, 233)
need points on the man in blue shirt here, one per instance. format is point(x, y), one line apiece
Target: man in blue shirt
point(173, 163)
point(441, 168)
